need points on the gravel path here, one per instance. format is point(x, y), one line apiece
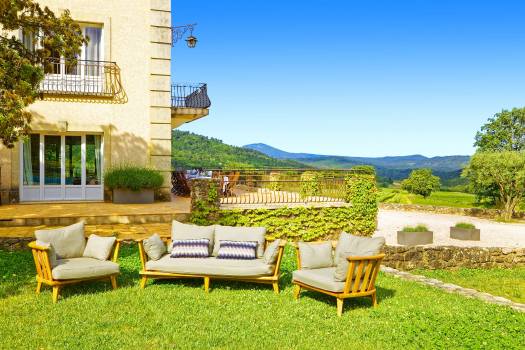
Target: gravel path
point(493, 234)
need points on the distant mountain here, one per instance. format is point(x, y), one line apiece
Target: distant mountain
point(394, 167)
point(196, 151)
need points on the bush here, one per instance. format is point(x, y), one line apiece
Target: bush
point(417, 228)
point(422, 182)
point(310, 185)
point(465, 225)
point(132, 177)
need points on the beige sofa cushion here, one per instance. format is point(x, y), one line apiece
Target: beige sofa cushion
point(188, 231)
point(211, 266)
point(319, 278)
point(74, 268)
point(99, 247)
point(50, 252)
point(154, 246)
point(271, 252)
point(68, 242)
point(315, 255)
point(350, 245)
point(232, 233)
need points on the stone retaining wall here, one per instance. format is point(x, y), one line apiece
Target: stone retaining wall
point(15, 243)
point(476, 212)
point(447, 257)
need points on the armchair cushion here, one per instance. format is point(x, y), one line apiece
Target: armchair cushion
point(271, 252)
point(68, 242)
point(79, 268)
point(50, 252)
point(154, 247)
point(180, 231)
point(315, 255)
point(319, 278)
point(232, 233)
point(354, 246)
point(99, 247)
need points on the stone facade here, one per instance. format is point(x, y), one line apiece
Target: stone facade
point(448, 257)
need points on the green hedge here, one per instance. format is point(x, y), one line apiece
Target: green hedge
point(134, 178)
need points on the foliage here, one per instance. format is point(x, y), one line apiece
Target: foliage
point(133, 178)
point(507, 283)
point(274, 183)
point(361, 193)
point(365, 169)
point(205, 209)
point(21, 68)
point(195, 151)
point(310, 184)
point(409, 316)
point(417, 228)
point(438, 198)
point(504, 169)
point(465, 225)
point(505, 131)
point(422, 182)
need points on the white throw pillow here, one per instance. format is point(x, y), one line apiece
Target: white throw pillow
point(99, 247)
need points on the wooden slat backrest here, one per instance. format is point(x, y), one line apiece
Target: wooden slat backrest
point(361, 274)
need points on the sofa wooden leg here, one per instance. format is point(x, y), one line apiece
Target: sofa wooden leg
point(206, 284)
point(56, 290)
point(38, 287)
point(275, 287)
point(143, 281)
point(374, 300)
point(113, 280)
point(340, 306)
point(296, 291)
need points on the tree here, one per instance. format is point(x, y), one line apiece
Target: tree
point(505, 170)
point(22, 66)
point(422, 182)
point(503, 132)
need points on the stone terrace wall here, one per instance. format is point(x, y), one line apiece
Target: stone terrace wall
point(448, 257)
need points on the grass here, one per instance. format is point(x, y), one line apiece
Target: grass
point(178, 314)
point(438, 198)
point(417, 228)
point(508, 283)
point(465, 225)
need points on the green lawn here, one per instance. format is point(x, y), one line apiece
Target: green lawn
point(178, 314)
point(439, 198)
point(508, 283)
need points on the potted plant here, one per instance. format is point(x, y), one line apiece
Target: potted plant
point(133, 184)
point(415, 235)
point(464, 231)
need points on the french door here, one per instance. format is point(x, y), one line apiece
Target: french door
point(61, 167)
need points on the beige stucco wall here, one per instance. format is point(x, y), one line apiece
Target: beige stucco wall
point(137, 125)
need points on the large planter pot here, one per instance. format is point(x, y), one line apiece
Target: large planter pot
point(124, 196)
point(415, 238)
point(465, 234)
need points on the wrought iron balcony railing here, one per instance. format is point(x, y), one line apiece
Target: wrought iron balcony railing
point(190, 96)
point(81, 77)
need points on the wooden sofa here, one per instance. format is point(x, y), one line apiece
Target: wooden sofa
point(271, 277)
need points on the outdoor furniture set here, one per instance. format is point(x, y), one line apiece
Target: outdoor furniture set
point(344, 269)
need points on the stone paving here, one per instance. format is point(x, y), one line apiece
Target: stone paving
point(453, 288)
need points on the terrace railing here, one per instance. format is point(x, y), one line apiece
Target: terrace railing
point(81, 77)
point(272, 186)
point(190, 96)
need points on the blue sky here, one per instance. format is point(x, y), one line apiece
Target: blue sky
point(360, 78)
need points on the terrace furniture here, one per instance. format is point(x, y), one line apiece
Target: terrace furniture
point(265, 268)
point(64, 256)
point(349, 273)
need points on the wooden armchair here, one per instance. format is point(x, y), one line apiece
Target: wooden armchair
point(44, 270)
point(145, 274)
point(360, 279)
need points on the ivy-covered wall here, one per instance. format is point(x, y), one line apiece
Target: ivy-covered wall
point(299, 223)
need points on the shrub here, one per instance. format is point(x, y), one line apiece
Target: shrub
point(422, 182)
point(310, 185)
point(417, 228)
point(132, 177)
point(465, 225)
point(361, 193)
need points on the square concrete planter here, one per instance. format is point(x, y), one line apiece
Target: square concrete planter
point(465, 234)
point(415, 238)
point(124, 196)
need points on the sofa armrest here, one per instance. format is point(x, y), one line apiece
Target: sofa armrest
point(280, 254)
point(42, 262)
point(116, 250)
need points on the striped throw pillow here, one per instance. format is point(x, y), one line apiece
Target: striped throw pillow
point(190, 248)
point(243, 250)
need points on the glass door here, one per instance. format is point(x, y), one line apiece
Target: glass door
point(53, 167)
point(73, 167)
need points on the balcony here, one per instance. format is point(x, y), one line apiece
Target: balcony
point(189, 102)
point(81, 78)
